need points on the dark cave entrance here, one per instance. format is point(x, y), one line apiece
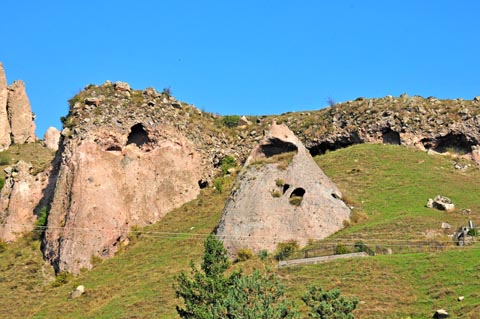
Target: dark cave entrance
point(276, 147)
point(138, 135)
point(390, 136)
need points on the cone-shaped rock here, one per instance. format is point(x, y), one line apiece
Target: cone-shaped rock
point(20, 114)
point(4, 125)
point(280, 195)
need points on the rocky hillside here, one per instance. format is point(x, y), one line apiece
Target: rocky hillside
point(127, 157)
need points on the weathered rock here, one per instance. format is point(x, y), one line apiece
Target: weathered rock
point(92, 101)
point(105, 187)
point(52, 138)
point(4, 124)
point(122, 86)
point(20, 114)
point(446, 226)
point(19, 197)
point(440, 313)
point(441, 203)
point(79, 291)
point(243, 121)
point(280, 195)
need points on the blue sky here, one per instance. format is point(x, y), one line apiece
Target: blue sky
point(242, 57)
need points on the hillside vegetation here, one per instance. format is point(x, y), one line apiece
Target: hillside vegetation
point(388, 185)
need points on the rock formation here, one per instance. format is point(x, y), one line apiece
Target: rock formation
point(20, 114)
point(4, 123)
point(19, 198)
point(280, 195)
point(130, 170)
point(52, 138)
point(16, 117)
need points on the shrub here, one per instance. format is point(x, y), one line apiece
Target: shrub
point(61, 279)
point(279, 182)
point(4, 160)
point(167, 92)
point(286, 249)
point(263, 254)
point(226, 163)
point(341, 249)
point(2, 183)
point(473, 232)
point(276, 194)
point(295, 200)
point(41, 223)
point(3, 246)
point(218, 184)
point(244, 254)
point(329, 304)
point(230, 120)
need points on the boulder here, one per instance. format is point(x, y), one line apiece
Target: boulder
point(79, 291)
point(441, 203)
point(52, 138)
point(243, 121)
point(440, 313)
point(280, 195)
point(122, 86)
point(20, 114)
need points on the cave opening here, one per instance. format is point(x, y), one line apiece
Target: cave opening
point(138, 135)
point(390, 136)
point(276, 147)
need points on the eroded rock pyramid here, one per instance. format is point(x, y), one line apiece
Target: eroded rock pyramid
point(280, 195)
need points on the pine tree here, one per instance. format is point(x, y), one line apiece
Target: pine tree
point(329, 304)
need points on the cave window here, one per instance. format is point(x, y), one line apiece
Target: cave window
point(277, 146)
point(297, 196)
point(202, 184)
point(285, 188)
point(114, 148)
point(138, 135)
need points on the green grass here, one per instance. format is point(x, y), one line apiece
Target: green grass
point(38, 155)
point(389, 184)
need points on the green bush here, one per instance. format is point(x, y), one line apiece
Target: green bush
point(473, 232)
point(295, 200)
point(276, 194)
point(263, 254)
point(244, 254)
point(230, 120)
point(226, 163)
point(279, 182)
point(2, 183)
point(218, 184)
point(41, 223)
point(61, 279)
point(286, 249)
point(329, 304)
point(341, 249)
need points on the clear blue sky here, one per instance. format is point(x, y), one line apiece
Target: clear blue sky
point(242, 57)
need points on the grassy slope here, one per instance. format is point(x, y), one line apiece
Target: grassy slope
point(393, 183)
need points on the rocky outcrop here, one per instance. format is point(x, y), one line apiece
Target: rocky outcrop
point(19, 198)
point(16, 117)
point(280, 195)
point(130, 171)
point(4, 123)
point(20, 114)
point(52, 138)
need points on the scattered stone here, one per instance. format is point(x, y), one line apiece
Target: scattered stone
point(446, 226)
point(441, 203)
point(80, 290)
point(461, 298)
point(440, 313)
point(466, 211)
point(476, 99)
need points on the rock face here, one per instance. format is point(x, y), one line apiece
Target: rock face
point(4, 123)
point(16, 117)
point(52, 138)
point(280, 195)
point(19, 198)
point(127, 172)
point(20, 114)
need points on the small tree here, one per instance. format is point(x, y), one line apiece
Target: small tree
point(329, 304)
point(256, 296)
point(201, 292)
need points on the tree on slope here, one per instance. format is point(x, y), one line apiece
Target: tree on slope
point(329, 304)
point(209, 294)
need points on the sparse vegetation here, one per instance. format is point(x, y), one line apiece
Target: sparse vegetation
point(279, 182)
point(276, 194)
point(244, 254)
point(286, 249)
point(230, 120)
point(295, 200)
point(227, 163)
